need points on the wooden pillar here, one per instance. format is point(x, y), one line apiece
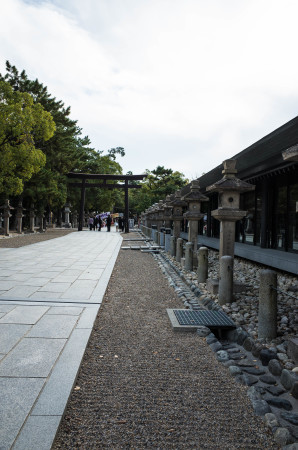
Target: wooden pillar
point(82, 205)
point(264, 215)
point(126, 207)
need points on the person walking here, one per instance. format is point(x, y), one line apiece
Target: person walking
point(121, 224)
point(99, 223)
point(95, 223)
point(109, 221)
point(90, 223)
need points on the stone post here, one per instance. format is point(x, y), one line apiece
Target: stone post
point(162, 237)
point(193, 215)
point(32, 218)
point(188, 256)
point(167, 239)
point(173, 246)
point(153, 231)
point(179, 249)
point(267, 327)
point(202, 270)
point(158, 237)
point(225, 288)
point(20, 216)
point(6, 214)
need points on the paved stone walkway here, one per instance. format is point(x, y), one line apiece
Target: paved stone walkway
point(50, 293)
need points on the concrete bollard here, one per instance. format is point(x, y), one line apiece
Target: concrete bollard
point(225, 288)
point(173, 246)
point(189, 256)
point(202, 270)
point(179, 249)
point(267, 305)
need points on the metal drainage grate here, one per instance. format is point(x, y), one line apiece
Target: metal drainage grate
point(215, 319)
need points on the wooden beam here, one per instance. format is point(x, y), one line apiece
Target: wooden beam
point(105, 186)
point(97, 176)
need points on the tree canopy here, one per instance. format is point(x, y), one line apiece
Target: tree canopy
point(24, 125)
point(159, 183)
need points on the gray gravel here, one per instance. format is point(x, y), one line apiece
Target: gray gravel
point(20, 240)
point(143, 386)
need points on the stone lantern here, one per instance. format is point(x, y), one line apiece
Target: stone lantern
point(167, 212)
point(75, 218)
point(229, 189)
point(193, 215)
point(20, 216)
point(148, 217)
point(160, 214)
point(67, 211)
point(177, 205)
point(41, 217)
point(32, 218)
point(6, 214)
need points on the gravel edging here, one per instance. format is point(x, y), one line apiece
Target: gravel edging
point(21, 240)
point(143, 386)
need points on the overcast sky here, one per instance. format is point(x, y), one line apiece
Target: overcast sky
point(179, 83)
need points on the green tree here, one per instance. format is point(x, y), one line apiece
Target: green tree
point(24, 126)
point(159, 183)
point(65, 151)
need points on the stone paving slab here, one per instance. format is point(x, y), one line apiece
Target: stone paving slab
point(32, 358)
point(10, 334)
point(47, 310)
point(17, 396)
point(24, 291)
point(69, 310)
point(24, 314)
point(54, 327)
point(38, 433)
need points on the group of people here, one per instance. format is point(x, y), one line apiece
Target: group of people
point(95, 222)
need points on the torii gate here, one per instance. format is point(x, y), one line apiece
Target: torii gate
point(104, 177)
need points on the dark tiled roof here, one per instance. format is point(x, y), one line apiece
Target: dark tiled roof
point(262, 156)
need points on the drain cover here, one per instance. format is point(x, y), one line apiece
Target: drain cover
point(189, 320)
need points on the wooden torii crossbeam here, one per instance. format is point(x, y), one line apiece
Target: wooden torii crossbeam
point(103, 178)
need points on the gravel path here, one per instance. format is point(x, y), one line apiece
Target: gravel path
point(20, 240)
point(143, 386)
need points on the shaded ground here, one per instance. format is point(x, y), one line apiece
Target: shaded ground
point(143, 386)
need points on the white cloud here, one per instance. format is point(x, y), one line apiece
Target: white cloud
point(182, 84)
